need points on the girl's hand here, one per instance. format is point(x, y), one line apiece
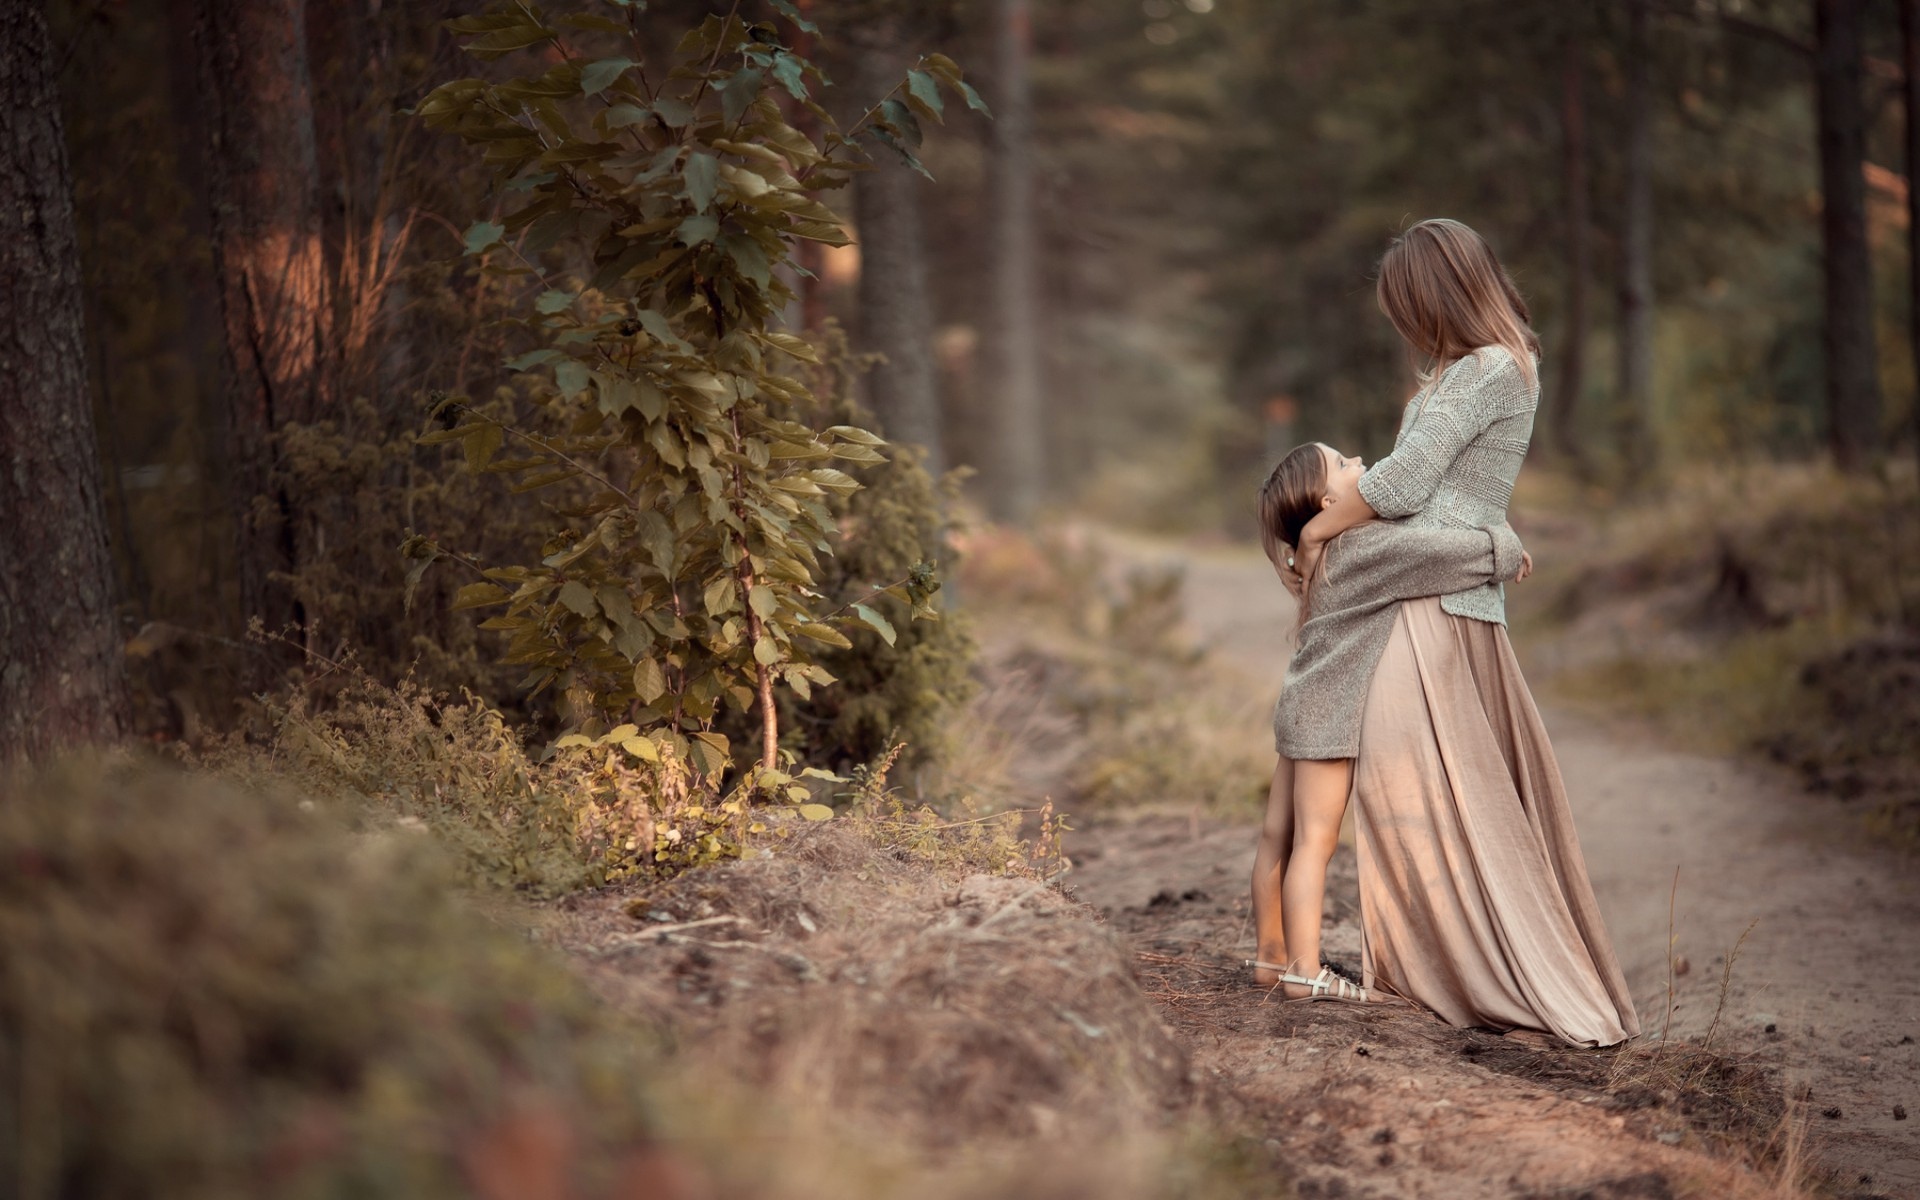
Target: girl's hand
point(1526, 566)
point(1307, 558)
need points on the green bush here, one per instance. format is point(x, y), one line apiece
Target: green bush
point(211, 992)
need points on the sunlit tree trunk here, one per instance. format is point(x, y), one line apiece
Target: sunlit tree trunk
point(269, 265)
point(1910, 58)
point(896, 308)
point(1636, 247)
point(1853, 380)
point(1573, 341)
point(62, 676)
point(1012, 378)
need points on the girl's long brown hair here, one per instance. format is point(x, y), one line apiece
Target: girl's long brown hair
point(1288, 500)
point(1447, 295)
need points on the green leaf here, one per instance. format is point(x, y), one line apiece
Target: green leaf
point(622, 115)
point(697, 230)
point(532, 358)
point(825, 633)
point(571, 740)
point(553, 301)
point(874, 621)
point(484, 234)
point(737, 93)
point(703, 178)
point(571, 377)
point(649, 682)
point(791, 13)
point(707, 758)
point(576, 597)
point(762, 600)
point(853, 433)
point(815, 812)
point(922, 89)
point(674, 112)
point(790, 71)
point(597, 77)
point(719, 596)
point(476, 594)
point(642, 748)
point(766, 651)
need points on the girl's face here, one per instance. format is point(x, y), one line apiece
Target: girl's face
point(1343, 477)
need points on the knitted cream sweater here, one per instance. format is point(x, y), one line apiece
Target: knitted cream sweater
point(1455, 460)
point(1355, 595)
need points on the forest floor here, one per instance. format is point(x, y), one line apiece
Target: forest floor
point(904, 1023)
point(1814, 1021)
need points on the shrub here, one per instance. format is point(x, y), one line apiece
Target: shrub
point(210, 992)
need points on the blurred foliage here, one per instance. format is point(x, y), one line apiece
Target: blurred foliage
point(214, 992)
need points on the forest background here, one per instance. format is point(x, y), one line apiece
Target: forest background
point(1148, 279)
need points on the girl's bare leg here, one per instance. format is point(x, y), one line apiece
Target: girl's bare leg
point(1269, 864)
point(1320, 790)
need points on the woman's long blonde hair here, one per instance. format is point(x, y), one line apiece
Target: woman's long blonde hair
point(1447, 295)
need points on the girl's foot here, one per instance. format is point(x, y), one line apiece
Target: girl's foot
point(1265, 974)
point(1324, 986)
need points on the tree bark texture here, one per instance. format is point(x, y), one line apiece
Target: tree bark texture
point(1853, 377)
point(1636, 247)
point(1012, 377)
point(1910, 59)
point(270, 266)
point(895, 306)
point(62, 676)
point(1579, 262)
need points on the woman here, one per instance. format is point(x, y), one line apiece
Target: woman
point(1474, 897)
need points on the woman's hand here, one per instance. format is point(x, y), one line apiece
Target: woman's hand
point(1526, 566)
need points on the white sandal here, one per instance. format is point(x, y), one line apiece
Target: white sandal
point(1324, 986)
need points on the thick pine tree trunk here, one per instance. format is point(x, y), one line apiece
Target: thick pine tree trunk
point(1853, 378)
point(1636, 248)
point(1910, 57)
point(1012, 378)
point(62, 677)
point(896, 308)
point(270, 267)
point(1579, 264)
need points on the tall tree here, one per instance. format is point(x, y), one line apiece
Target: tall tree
point(1636, 245)
point(896, 309)
point(1852, 361)
point(1013, 351)
point(62, 677)
point(1910, 61)
point(270, 265)
point(1579, 252)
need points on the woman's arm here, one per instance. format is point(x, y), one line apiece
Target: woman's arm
point(1400, 562)
point(1465, 401)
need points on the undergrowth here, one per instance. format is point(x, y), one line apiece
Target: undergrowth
point(1772, 609)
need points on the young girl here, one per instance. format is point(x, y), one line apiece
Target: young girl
point(1346, 616)
point(1474, 897)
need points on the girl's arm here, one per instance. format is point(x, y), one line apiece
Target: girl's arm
point(1399, 562)
point(1465, 401)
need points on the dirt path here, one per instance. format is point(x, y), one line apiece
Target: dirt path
point(1825, 991)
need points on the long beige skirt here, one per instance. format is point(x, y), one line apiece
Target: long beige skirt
point(1474, 898)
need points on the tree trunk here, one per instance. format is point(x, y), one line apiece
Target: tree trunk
point(1910, 58)
point(896, 308)
point(1636, 250)
point(62, 677)
point(1012, 377)
point(270, 268)
point(1579, 265)
point(1853, 378)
